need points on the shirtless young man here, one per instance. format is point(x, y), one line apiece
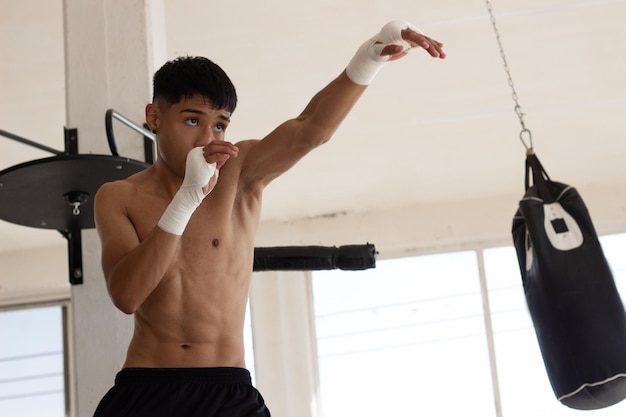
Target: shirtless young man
point(178, 238)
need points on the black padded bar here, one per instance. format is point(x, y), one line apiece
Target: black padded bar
point(315, 258)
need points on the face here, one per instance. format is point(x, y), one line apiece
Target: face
point(183, 126)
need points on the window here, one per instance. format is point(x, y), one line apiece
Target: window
point(404, 339)
point(32, 364)
point(408, 338)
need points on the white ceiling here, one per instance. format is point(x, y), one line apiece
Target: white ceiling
point(425, 131)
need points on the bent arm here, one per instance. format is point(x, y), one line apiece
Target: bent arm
point(132, 269)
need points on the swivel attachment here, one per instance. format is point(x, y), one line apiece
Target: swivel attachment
point(76, 199)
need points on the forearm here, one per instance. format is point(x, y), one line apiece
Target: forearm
point(328, 108)
point(332, 104)
point(136, 275)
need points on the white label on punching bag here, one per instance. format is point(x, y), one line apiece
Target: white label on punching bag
point(561, 228)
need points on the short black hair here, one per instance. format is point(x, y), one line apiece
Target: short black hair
point(187, 76)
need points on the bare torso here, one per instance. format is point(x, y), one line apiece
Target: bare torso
point(195, 316)
point(189, 304)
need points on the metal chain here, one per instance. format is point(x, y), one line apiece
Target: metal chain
point(525, 133)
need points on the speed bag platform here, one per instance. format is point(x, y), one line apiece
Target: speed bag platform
point(575, 308)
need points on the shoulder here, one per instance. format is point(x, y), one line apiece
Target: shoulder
point(247, 146)
point(115, 201)
point(118, 193)
point(247, 150)
point(114, 189)
point(112, 198)
point(132, 184)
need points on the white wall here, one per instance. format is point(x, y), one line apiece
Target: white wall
point(38, 274)
point(434, 228)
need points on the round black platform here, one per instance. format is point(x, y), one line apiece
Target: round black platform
point(40, 193)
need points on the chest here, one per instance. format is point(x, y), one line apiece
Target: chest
point(223, 224)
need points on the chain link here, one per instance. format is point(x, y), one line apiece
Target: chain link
point(525, 132)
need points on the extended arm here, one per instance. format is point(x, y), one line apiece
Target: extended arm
point(289, 142)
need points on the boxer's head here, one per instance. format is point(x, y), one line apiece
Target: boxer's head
point(187, 76)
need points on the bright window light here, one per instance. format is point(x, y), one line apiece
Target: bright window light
point(404, 339)
point(408, 338)
point(32, 367)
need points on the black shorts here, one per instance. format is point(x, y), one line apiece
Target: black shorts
point(182, 392)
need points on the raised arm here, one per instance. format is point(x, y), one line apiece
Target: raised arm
point(289, 142)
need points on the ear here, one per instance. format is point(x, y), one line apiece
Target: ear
point(152, 117)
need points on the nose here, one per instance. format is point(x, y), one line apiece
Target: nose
point(205, 137)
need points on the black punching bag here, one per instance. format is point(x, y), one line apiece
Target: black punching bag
point(576, 310)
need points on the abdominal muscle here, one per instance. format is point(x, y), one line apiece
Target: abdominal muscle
point(147, 350)
point(194, 318)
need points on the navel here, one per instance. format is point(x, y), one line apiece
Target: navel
point(216, 242)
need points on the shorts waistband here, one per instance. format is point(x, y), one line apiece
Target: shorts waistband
point(218, 375)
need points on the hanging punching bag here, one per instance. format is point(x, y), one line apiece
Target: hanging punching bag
point(576, 310)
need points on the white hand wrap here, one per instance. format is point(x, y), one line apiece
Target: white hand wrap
point(367, 61)
point(198, 172)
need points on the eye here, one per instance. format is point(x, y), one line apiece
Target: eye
point(220, 127)
point(192, 121)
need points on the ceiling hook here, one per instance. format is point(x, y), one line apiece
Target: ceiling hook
point(527, 140)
